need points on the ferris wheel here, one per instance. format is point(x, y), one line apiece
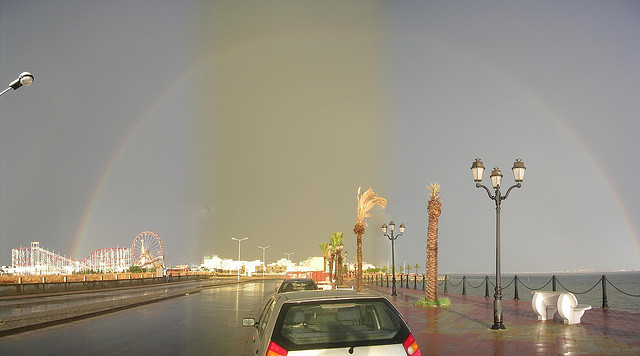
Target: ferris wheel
point(147, 250)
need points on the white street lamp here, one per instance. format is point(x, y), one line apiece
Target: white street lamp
point(264, 263)
point(24, 79)
point(239, 241)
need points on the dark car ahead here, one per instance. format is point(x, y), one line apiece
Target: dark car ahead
point(329, 323)
point(295, 284)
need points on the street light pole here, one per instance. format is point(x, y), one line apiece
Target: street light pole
point(24, 79)
point(392, 227)
point(239, 241)
point(496, 179)
point(264, 263)
point(288, 255)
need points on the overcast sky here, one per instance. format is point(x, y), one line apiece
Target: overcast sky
point(208, 120)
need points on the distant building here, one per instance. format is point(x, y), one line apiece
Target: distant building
point(227, 264)
point(312, 264)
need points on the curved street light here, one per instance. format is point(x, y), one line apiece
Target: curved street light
point(239, 241)
point(496, 181)
point(264, 262)
point(24, 79)
point(392, 238)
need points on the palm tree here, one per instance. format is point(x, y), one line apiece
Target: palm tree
point(366, 201)
point(332, 254)
point(434, 208)
point(324, 246)
point(336, 240)
point(416, 266)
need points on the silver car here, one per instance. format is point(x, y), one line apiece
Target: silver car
point(329, 323)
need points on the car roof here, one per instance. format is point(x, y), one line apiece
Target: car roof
point(313, 295)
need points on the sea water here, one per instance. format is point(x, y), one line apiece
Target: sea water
point(587, 287)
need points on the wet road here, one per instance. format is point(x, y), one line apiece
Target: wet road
point(19, 306)
point(208, 322)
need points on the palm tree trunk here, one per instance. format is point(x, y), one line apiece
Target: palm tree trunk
point(359, 270)
point(434, 209)
point(338, 268)
point(331, 270)
point(359, 230)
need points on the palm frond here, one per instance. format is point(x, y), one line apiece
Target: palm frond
point(336, 238)
point(324, 246)
point(366, 201)
point(434, 191)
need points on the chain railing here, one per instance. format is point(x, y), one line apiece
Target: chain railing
point(405, 282)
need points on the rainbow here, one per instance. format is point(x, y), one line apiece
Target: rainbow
point(114, 158)
point(459, 53)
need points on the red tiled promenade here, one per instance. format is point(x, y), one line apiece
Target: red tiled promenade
point(464, 328)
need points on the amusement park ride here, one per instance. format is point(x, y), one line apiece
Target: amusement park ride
point(147, 251)
point(151, 256)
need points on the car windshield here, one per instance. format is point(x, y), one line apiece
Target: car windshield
point(325, 324)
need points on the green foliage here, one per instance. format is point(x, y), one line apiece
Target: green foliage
point(440, 302)
point(372, 270)
point(324, 246)
point(135, 269)
point(336, 239)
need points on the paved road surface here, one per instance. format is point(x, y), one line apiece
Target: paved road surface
point(208, 322)
point(20, 305)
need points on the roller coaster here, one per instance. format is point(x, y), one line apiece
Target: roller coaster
point(147, 251)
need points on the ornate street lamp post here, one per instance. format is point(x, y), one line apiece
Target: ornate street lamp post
point(496, 179)
point(392, 227)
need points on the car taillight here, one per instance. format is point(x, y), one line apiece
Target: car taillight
point(411, 346)
point(275, 350)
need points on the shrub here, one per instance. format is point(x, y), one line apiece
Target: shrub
point(440, 302)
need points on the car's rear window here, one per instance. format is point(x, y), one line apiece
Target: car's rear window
point(341, 323)
point(294, 286)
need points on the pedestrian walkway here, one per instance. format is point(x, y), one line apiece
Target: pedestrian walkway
point(464, 328)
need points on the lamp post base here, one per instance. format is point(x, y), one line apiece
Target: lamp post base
point(497, 310)
point(393, 288)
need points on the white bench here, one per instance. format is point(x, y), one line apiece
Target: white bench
point(569, 309)
point(545, 304)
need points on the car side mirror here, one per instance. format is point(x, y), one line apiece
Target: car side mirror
point(248, 322)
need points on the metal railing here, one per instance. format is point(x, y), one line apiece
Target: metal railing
point(413, 280)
